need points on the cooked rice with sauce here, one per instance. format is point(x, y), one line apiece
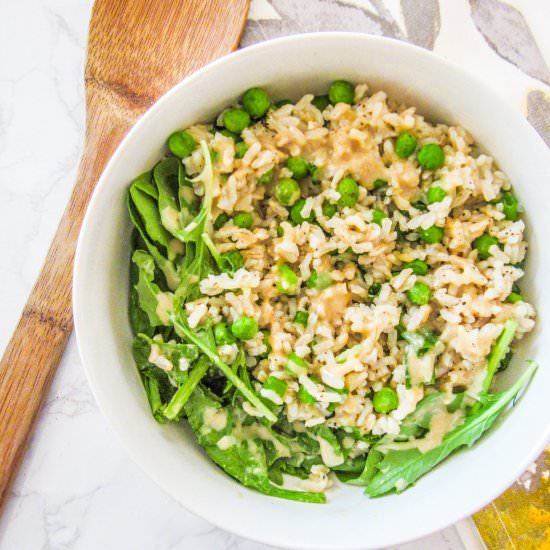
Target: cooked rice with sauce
point(398, 284)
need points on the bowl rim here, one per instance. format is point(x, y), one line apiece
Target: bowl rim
point(538, 443)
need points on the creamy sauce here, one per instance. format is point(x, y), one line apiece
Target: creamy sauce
point(170, 218)
point(441, 423)
point(176, 247)
point(172, 279)
point(308, 485)
point(329, 456)
point(165, 305)
point(214, 419)
point(257, 430)
point(226, 442)
point(331, 302)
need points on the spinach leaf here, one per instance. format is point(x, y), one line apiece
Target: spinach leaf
point(149, 294)
point(147, 209)
point(166, 266)
point(399, 468)
point(139, 321)
point(144, 182)
point(165, 175)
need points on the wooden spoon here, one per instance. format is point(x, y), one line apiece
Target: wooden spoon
point(137, 50)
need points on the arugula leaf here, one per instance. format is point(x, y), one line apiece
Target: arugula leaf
point(201, 222)
point(209, 349)
point(174, 409)
point(244, 460)
point(421, 341)
point(174, 350)
point(499, 351)
point(399, 468)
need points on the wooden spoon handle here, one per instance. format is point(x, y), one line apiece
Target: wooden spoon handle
point(36, 347)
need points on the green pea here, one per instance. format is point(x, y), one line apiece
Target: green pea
point(287, 191)
point(378, 216)
point(240, 149)
point(405, 145)
point(483, 244)
point(341, 91)
point(280, 231)
point(236, 120)
point(298, 166)
point(419, 294)
point(231, 261)
point(244, 328)
point(385, 400)
point(435, 194)
point(266, 177)
point(419, 267)
point(349, 192)
point(296, 365)
point(296, 213)
point(430, 156)
point(256, 102)
point(214, 156)
point(222, 334)
point(301, 318)
point(514, 298)
point(221, 220)
point(276, 385)
point(329, 209)
point(288, 280)
point(321, 102)
point(379, 184)
point(509, 206)
point(243, 220)
point(431, 235)
point(225, 132)
point(305, 397)
point(181, 144)
point(320, 281)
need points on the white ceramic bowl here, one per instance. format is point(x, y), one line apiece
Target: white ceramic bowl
point(289, 67)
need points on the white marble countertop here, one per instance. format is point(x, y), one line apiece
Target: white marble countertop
point(77, 488)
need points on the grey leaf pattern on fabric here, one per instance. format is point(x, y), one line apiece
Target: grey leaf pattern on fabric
point(422, 21)
point(506, 31)
point(299, 16)
point(538, 113)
